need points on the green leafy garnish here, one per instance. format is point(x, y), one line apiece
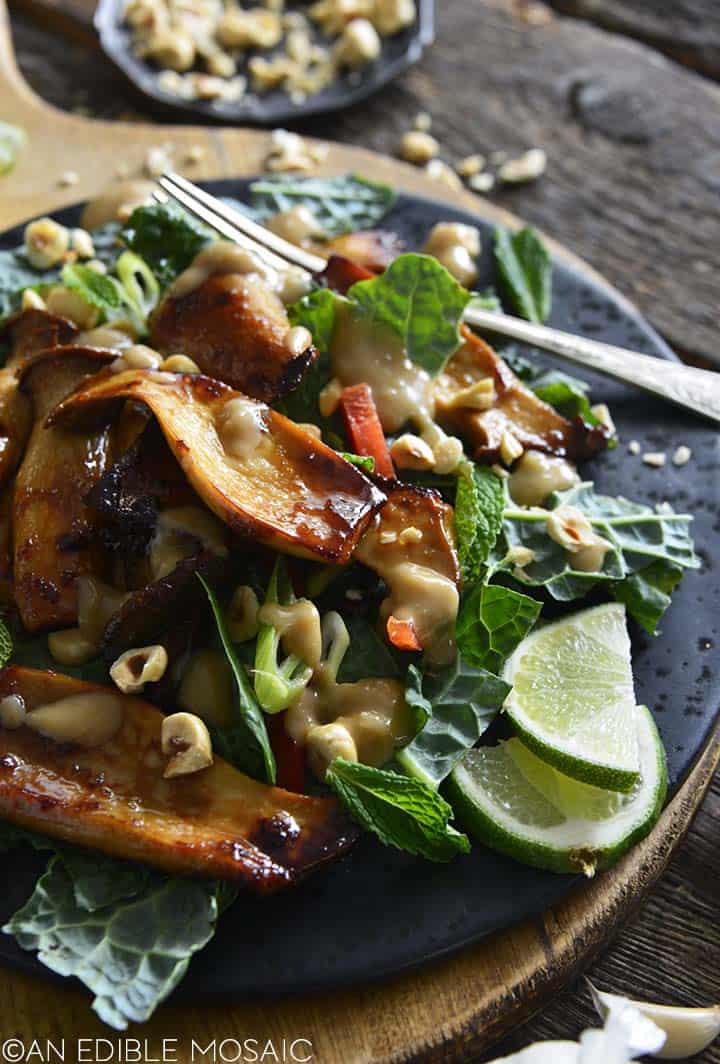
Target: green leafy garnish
point(12, 140)
point(454, 708)
point(402, 812)
point(128, 940)
point(479, 505)
point(361, 461)
point(277, 683)
point(340, 204)
point(567, 394)
point(368, 655)
point(166, 238)
point(16, 274)
point(638, 537)
point(246, 743)
point(524, 266)
point(418, 300)
point(97, 289)
point(647, 593)
point(6, 644)
point(491, 623)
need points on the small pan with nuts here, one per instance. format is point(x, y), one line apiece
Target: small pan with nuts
point(266, 78)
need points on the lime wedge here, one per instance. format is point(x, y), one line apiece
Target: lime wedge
point(12, 139)
point(573, 700)
point(506, 797)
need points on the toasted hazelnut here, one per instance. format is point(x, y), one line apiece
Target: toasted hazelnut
point(411, 452)
point(325, 742)
point(87, 720)
point(12, 712)
point(186, 740)
point(46, 243)
point(32, 300)
point(82, 243)
point(67, 304)
point(359, 44)
point(418, 147)
point(298, 340)
point(133, 669)
point(329, 397)
point(179, 364)
point(510, 448)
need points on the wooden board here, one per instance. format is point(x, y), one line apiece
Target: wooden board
point(452, 1008)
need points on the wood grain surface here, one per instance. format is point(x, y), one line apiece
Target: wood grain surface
point(453, 1010)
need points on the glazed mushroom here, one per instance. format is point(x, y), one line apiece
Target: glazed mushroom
point(217, 823)
point(259, 472)
point(52, 527)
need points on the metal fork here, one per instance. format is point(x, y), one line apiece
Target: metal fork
point(694, 389)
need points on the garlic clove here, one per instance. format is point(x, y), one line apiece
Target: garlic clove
point(688, 1030)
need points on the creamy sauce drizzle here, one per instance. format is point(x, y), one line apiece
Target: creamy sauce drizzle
point(298, 626)
point(365, 353)
point(223, 258)
point(535, 475)
point(419, 591)
point(373, 711)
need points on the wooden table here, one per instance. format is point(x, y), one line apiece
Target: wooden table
point(634, 172)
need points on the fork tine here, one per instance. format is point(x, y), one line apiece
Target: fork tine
point(225, 228)
point(249, 228)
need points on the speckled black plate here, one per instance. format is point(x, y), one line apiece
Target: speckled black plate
point(398, 53)
point(378, 912)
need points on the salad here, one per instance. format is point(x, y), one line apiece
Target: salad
point(284, 560)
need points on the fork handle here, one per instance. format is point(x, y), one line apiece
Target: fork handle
point(695, 389)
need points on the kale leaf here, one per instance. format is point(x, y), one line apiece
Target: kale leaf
point(340, 204)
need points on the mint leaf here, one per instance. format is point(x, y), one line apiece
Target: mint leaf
point(97, 289)
point(246, 744)
point(401, 812)
point(638, 535)
point(458, 705)
point(418, 300)
point(491, 622)
point(360, 461)
point(567, 394)
point(525, 269)
point(479, 505)
point(647, 593)
point(166, 237)
point(131, 954)
point(341, 204)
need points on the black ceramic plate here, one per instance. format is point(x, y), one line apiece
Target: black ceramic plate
point(378, 912)
point(398, 53)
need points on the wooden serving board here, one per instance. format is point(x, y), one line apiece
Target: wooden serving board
point(450, 1009)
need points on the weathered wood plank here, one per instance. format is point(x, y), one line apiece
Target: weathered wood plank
point(686, 30)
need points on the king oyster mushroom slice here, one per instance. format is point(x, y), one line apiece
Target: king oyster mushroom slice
point(226, 314)
point(217, 823)
point(256, 470)
point(516, 412)
point(52, 527)
point(28, 332)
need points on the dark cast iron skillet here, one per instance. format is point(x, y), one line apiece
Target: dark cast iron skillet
point(378, 911)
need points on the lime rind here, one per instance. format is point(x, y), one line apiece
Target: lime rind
point(573, 698)
point(499, 806)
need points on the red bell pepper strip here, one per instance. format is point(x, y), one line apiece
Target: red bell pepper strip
point(341, 274)
point(362, 424)
point(402, 634)
point(289, 755)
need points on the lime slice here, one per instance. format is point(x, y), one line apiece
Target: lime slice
point(508, 807)
point(573, 700)
point(12, 139)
